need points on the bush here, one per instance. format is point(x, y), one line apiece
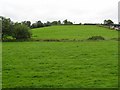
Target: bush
point(21, 31)
point(96, 38)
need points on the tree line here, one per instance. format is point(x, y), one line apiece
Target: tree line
point(39, 24)
point(14, 30)
point(22, 30)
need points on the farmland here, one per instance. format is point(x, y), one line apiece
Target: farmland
point(73, 32)
point(77, 64)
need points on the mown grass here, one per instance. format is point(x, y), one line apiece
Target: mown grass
point(58, 64)
point(76, 64)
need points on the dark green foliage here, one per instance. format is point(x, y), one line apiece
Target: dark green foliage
point(69, 23)
point(90, 24)
point(39, 24)
point(66, 22)
point(15, 30)
point(59, 22)
point(34, 25)
point(7, 27)
point(47, 24)
point(28, 23)
point(21, 31)
point(96, 38)
point(56, 23)
point(108, 22)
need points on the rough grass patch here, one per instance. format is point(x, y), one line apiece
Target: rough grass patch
point(96, 38)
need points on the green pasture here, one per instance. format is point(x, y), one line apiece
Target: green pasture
point(84, 64)
point(78, 32)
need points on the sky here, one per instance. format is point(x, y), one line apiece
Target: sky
point(77, 11)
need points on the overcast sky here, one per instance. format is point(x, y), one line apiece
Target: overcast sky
point(94, 11)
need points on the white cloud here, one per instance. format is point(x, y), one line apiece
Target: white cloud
point(74, 10)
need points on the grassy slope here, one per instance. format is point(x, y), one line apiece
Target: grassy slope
point(62, 64)
point(73, 32)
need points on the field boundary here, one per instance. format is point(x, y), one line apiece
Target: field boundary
point(58, 40)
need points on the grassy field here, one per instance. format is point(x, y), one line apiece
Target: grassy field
point(84, 64)
point(73, 32)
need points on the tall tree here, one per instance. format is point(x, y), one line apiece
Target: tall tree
point(65, 22)
point(7, 27)
point(59, 22)
point(108, 22)
point(39, 24)
point(28, 23)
